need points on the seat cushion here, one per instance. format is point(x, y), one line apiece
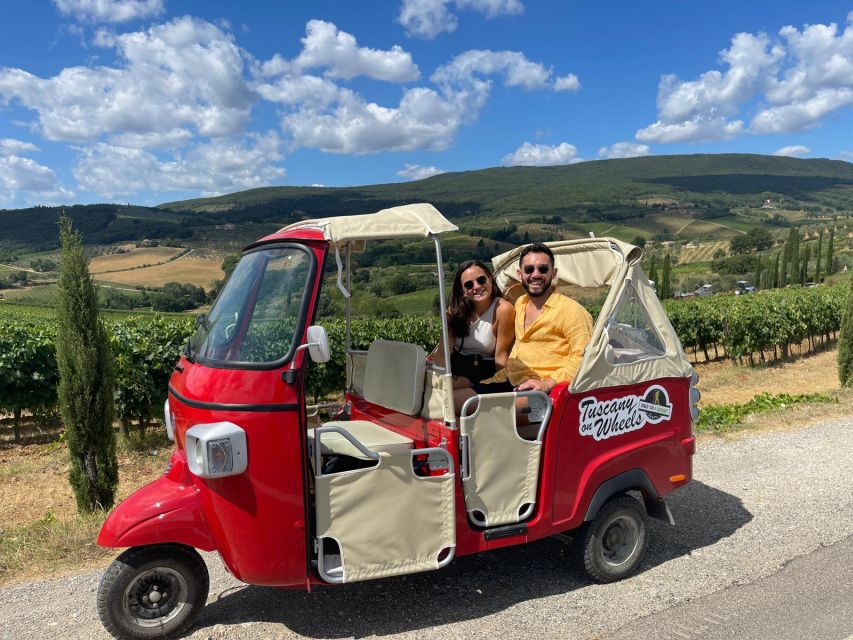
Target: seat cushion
point(371, 435)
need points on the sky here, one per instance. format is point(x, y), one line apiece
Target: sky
point(151, 101)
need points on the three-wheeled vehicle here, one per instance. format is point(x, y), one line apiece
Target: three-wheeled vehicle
point(396, 483)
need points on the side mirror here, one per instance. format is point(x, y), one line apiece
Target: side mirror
point(318, 344)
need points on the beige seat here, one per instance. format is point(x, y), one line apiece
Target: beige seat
point(500, 469)
point(372, 436)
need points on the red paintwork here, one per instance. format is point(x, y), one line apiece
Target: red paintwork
point(257, 520)
point(166, 510)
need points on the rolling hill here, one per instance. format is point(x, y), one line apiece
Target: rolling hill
point(689, 197)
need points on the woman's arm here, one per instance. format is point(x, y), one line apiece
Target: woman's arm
point(504, 332)
point(437, 355)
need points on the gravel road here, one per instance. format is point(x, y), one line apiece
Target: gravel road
point(756, 503)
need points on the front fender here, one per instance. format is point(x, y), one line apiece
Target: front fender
point(166, 510)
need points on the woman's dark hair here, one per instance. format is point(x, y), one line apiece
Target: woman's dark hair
point(460, 309)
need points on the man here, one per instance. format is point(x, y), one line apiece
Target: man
point(551, 331)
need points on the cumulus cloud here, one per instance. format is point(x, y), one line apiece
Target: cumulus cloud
point(469, 71)
point(324, 46)
point(793, 151)
point(623, 150)
point(418, 172)
point(790, 83)
point(429, 18)
point(326, 116)
point(185, 74)
point(21, 177)
point(10, 146)
point(213, 168)
point(542, 155)
point(109, 10)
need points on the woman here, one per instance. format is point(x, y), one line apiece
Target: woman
point(481, 325)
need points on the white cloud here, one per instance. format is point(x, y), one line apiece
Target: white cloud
point(423, 120)
point(793, 151)
point(218, 167)
point(466, 71)
point(185, 74)
point(109, 10)
point(10, 146)
point(698, 129)
point(418, 172)
point(567, 83)
point(325, 116)
point(623, 150)
point(325, 46)
point(428, 18)
point(847, 155)
point(23, 178)
point(791, 84)
point(542, 155)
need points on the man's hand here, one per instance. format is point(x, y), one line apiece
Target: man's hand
point(537, 385)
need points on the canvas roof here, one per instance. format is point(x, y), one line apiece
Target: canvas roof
point(407, 221)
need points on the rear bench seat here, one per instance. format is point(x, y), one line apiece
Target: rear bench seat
point(394, 379)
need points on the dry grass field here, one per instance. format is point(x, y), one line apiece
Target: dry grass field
point(186, 269)
point(133, 258)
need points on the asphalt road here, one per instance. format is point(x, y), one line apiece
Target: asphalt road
point(761, 549)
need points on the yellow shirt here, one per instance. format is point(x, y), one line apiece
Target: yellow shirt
point(552, 346)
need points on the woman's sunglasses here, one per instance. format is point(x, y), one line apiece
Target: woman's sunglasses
point(469, 284)
point(543, 268)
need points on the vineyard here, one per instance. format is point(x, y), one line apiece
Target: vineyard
point(753, 328)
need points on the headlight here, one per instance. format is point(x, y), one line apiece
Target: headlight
point(216, 450)
point(219, 457)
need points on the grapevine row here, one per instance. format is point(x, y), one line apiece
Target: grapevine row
point(146, 348)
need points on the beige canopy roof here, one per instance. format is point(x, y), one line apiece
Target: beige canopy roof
point(588, 262)
point(407, 221)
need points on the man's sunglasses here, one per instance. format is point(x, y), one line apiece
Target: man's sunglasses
point(543, 268)
point(469, 284)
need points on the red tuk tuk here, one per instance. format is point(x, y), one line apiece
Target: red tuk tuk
point(396, 483)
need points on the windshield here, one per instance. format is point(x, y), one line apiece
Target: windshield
point(259, 311)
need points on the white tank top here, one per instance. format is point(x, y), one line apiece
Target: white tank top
point(480, 339)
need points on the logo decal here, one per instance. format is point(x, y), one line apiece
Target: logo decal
point(604, 419)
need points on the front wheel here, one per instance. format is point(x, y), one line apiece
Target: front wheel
point(612, 544)
point(152, 592)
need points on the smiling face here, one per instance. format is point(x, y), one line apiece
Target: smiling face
point(536, 274)
point(476, 285)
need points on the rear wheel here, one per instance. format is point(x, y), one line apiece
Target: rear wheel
point(152, 592)
point(612, 544)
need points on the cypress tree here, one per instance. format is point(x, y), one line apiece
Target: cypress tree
point(804, 264)
point(653, 275)
point(757, 277)
point(665, 285)
point(795, 259)
point(845, 342)
point(86, 380)
point(829, 249)
point(817, 262)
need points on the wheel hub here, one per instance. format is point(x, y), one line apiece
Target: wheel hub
point(155, 596)
point(619, 541)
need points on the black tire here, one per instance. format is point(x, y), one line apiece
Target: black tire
point(152, 592)
point(611, 546)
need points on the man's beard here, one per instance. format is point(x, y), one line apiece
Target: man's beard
point(546, 288)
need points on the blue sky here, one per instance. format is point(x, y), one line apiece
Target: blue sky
point(148, 101)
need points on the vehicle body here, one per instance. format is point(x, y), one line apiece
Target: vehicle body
point(742, 287)
point(704, 290)
point(397, 483)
